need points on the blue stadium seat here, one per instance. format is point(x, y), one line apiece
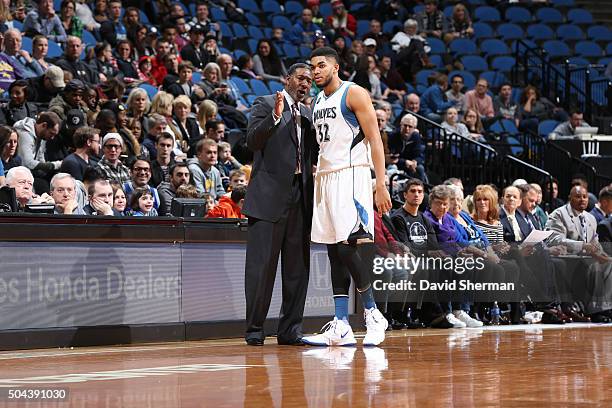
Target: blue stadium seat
point(510, 31)
point(549, 15)
point(540, 32)
point(474, 63)
point(518, 15)
point(363, 26)
point(270, 6)
point(463, 46)
point(469, 80)
point(54, 49)
point(304, 51)
point(437, 46)
point(516, 147)
point(423, 75)
point(259, 87)
point(249, 5)
point(588, 49)
point(217, 14)
point(88, 38)
point(242, 86)
point(237, 53)
point(579, 16)
point(570, 32)
point(493, 47)
point(253, 19)
point(251, 98)
point(546, 126)
point(26, 44)
point(282, 22)
point(239, 31)
point(436, 60)
point(556, 48)
point(503, 63)
point(325, 9)
point(392, 26)
point(609, 49)
point(487, 14)
point(17, 25)
point(226, 31)
point(291, 51)
point(482, 31)
point(255, 32)
point(275, 86)
point(529, 43)
point(196, 77)
point(151, 90)
point(293, 8)
point(578, 61)
point(604, 61)
point(599, 33)
point(448, 11)
point(252, 43)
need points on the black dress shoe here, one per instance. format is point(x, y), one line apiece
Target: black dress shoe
point(294, 342)
point(255, 342)
point(600, 318)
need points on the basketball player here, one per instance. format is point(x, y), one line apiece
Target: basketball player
point(346, 130)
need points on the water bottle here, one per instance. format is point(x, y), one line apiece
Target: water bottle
point(495, 314)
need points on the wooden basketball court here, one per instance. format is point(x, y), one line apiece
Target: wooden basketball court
point(519, 366)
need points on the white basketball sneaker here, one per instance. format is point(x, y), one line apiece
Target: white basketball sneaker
point(376, 325)
point(467, 319)
point(334, 333)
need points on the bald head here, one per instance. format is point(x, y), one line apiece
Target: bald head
point(413, 102)
point(579, 198)
point(12, 41)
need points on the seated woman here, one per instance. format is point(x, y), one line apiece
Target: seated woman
point(216, 90)
point(452, 125)
point(533, 109)
point(460, 24)
point(472, 122)
point(468, 233)
point(267, 64)
point(185, 124)
point(40, 48)
point(119, 200)
point(8, 148)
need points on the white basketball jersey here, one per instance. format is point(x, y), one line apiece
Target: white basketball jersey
point(336, 127)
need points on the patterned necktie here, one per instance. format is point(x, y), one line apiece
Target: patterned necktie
point(295, 115)
point(583, 228)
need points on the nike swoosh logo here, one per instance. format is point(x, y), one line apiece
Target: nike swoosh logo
point(344, 335)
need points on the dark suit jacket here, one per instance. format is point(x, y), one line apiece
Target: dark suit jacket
point(604, 231)
point(508, 231)
point(275, 150)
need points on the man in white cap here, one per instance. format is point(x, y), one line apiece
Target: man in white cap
point(370, 46)
point(111, 166)
point(45, 87)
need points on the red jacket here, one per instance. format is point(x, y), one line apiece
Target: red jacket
point(384, 241)
point(225, 209)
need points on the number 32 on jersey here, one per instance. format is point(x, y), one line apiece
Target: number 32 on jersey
point(323, 132)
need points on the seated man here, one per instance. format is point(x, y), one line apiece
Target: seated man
point(63, 192)
point(479, 100)
point(20, 178)
point(205, 175)
point(110, 164)
point(100, 199)
point(179, 176)
point(569, 128)
point(407, 150)
point(603, 208)
point(576, 229)
point(433, 100)
point(140, 173)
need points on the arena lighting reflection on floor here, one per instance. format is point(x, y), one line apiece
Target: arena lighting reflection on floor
point(532, 365)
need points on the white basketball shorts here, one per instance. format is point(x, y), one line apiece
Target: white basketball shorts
point(343, 201)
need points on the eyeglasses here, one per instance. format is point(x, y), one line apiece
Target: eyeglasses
point(141, 170)
point(112, 147)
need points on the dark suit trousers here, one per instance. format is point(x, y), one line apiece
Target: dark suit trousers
point(266, 240)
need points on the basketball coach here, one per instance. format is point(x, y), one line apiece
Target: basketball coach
point(279, 206)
